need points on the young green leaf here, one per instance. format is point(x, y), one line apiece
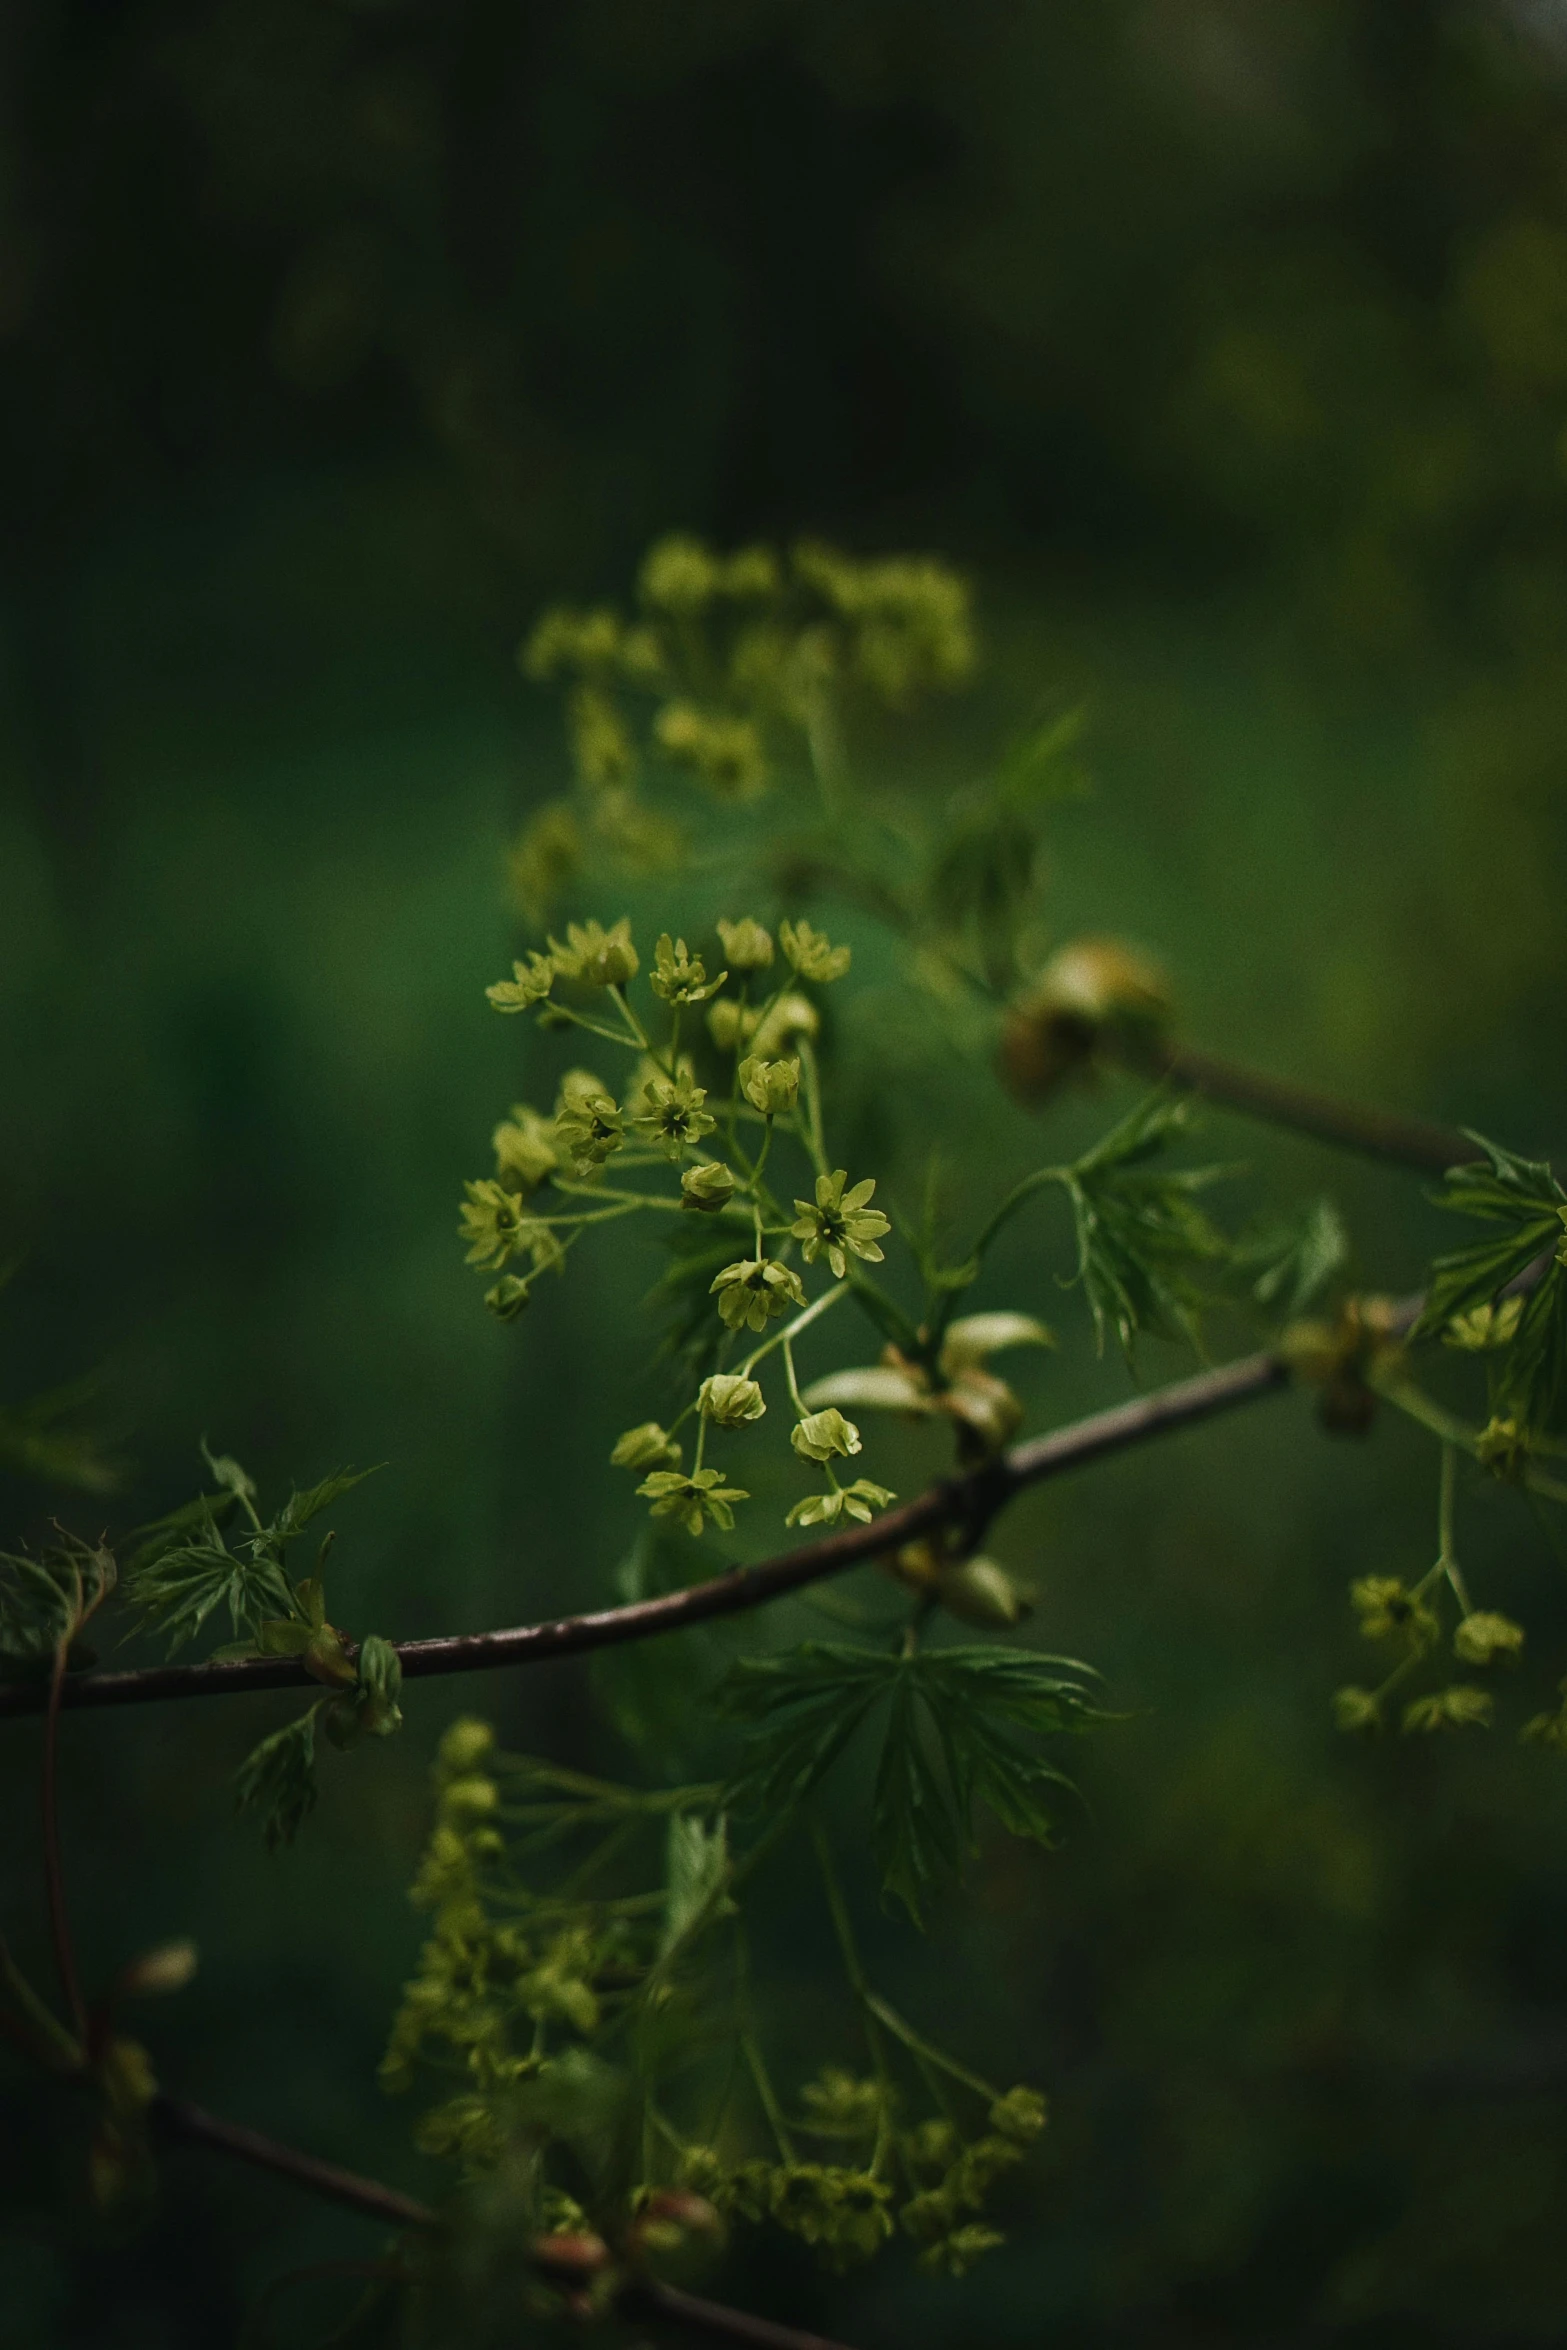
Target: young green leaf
point(696, 1868)
point(277, 1780)
point(300, 1508)
point(1287, 1264)
point(1522, 1198)
point(184, 1569)
point(1524, 1203)
point(1140, 1233)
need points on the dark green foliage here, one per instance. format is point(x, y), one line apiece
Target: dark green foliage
point(1140, 1233)
point(957, 1733)
point(185, 1565)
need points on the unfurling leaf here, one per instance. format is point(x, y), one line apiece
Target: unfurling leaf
point(1522, 1199)
point(277, 1780)
point(1140, 1233)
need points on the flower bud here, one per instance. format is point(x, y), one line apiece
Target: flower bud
point(707, 1187)
point(1089, 988)
point(729, 1400)
point(466, 1801)
point(1483, 1636)
point(978, 1591)
point(825, 1436)
point(645, 1447)
point(464, 1745)
point(1020, 2115)
point(770, 1086)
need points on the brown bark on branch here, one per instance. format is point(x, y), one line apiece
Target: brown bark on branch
point(192, 2126)
point(1375, 1134)
point(195, 2127)
point(968, 1503)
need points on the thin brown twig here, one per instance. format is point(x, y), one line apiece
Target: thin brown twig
point(192, 2125)
point(196, 2127)
point(1256, 1093)
point(967, 1503)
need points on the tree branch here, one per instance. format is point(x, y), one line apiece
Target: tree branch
point(191, 2125)
point(968, 1503)
point(195, 2127)
point(1376, 1134)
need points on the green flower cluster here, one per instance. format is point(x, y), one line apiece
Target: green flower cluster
point(732, 668)
point(715, 1128)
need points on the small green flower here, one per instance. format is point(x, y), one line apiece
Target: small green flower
point(770, 1086)
point(844, 2211)
point(494, 1223)
point(810, 954)
point(1485, 1327)
point(1020, 2115)
point(588, 1125)
point(594, 956)
point(729, 1400)
point(1483, 1637)
point(747, 946)
point(675, 1495)
point(524, 1151)
point(755, 1291)
point(825, 1436)
point(674, 1117)
point(646, 1447)
point(707, 1187)
point(1458, 1708)
point(1385, 1606)
point(679, 977)
point(860, 1500)
point(529, 984)
point(840, 1222)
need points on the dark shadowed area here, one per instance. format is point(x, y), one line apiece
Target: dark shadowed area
point(1223, 343)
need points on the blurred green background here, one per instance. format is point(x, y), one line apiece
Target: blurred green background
point(1225, 342)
